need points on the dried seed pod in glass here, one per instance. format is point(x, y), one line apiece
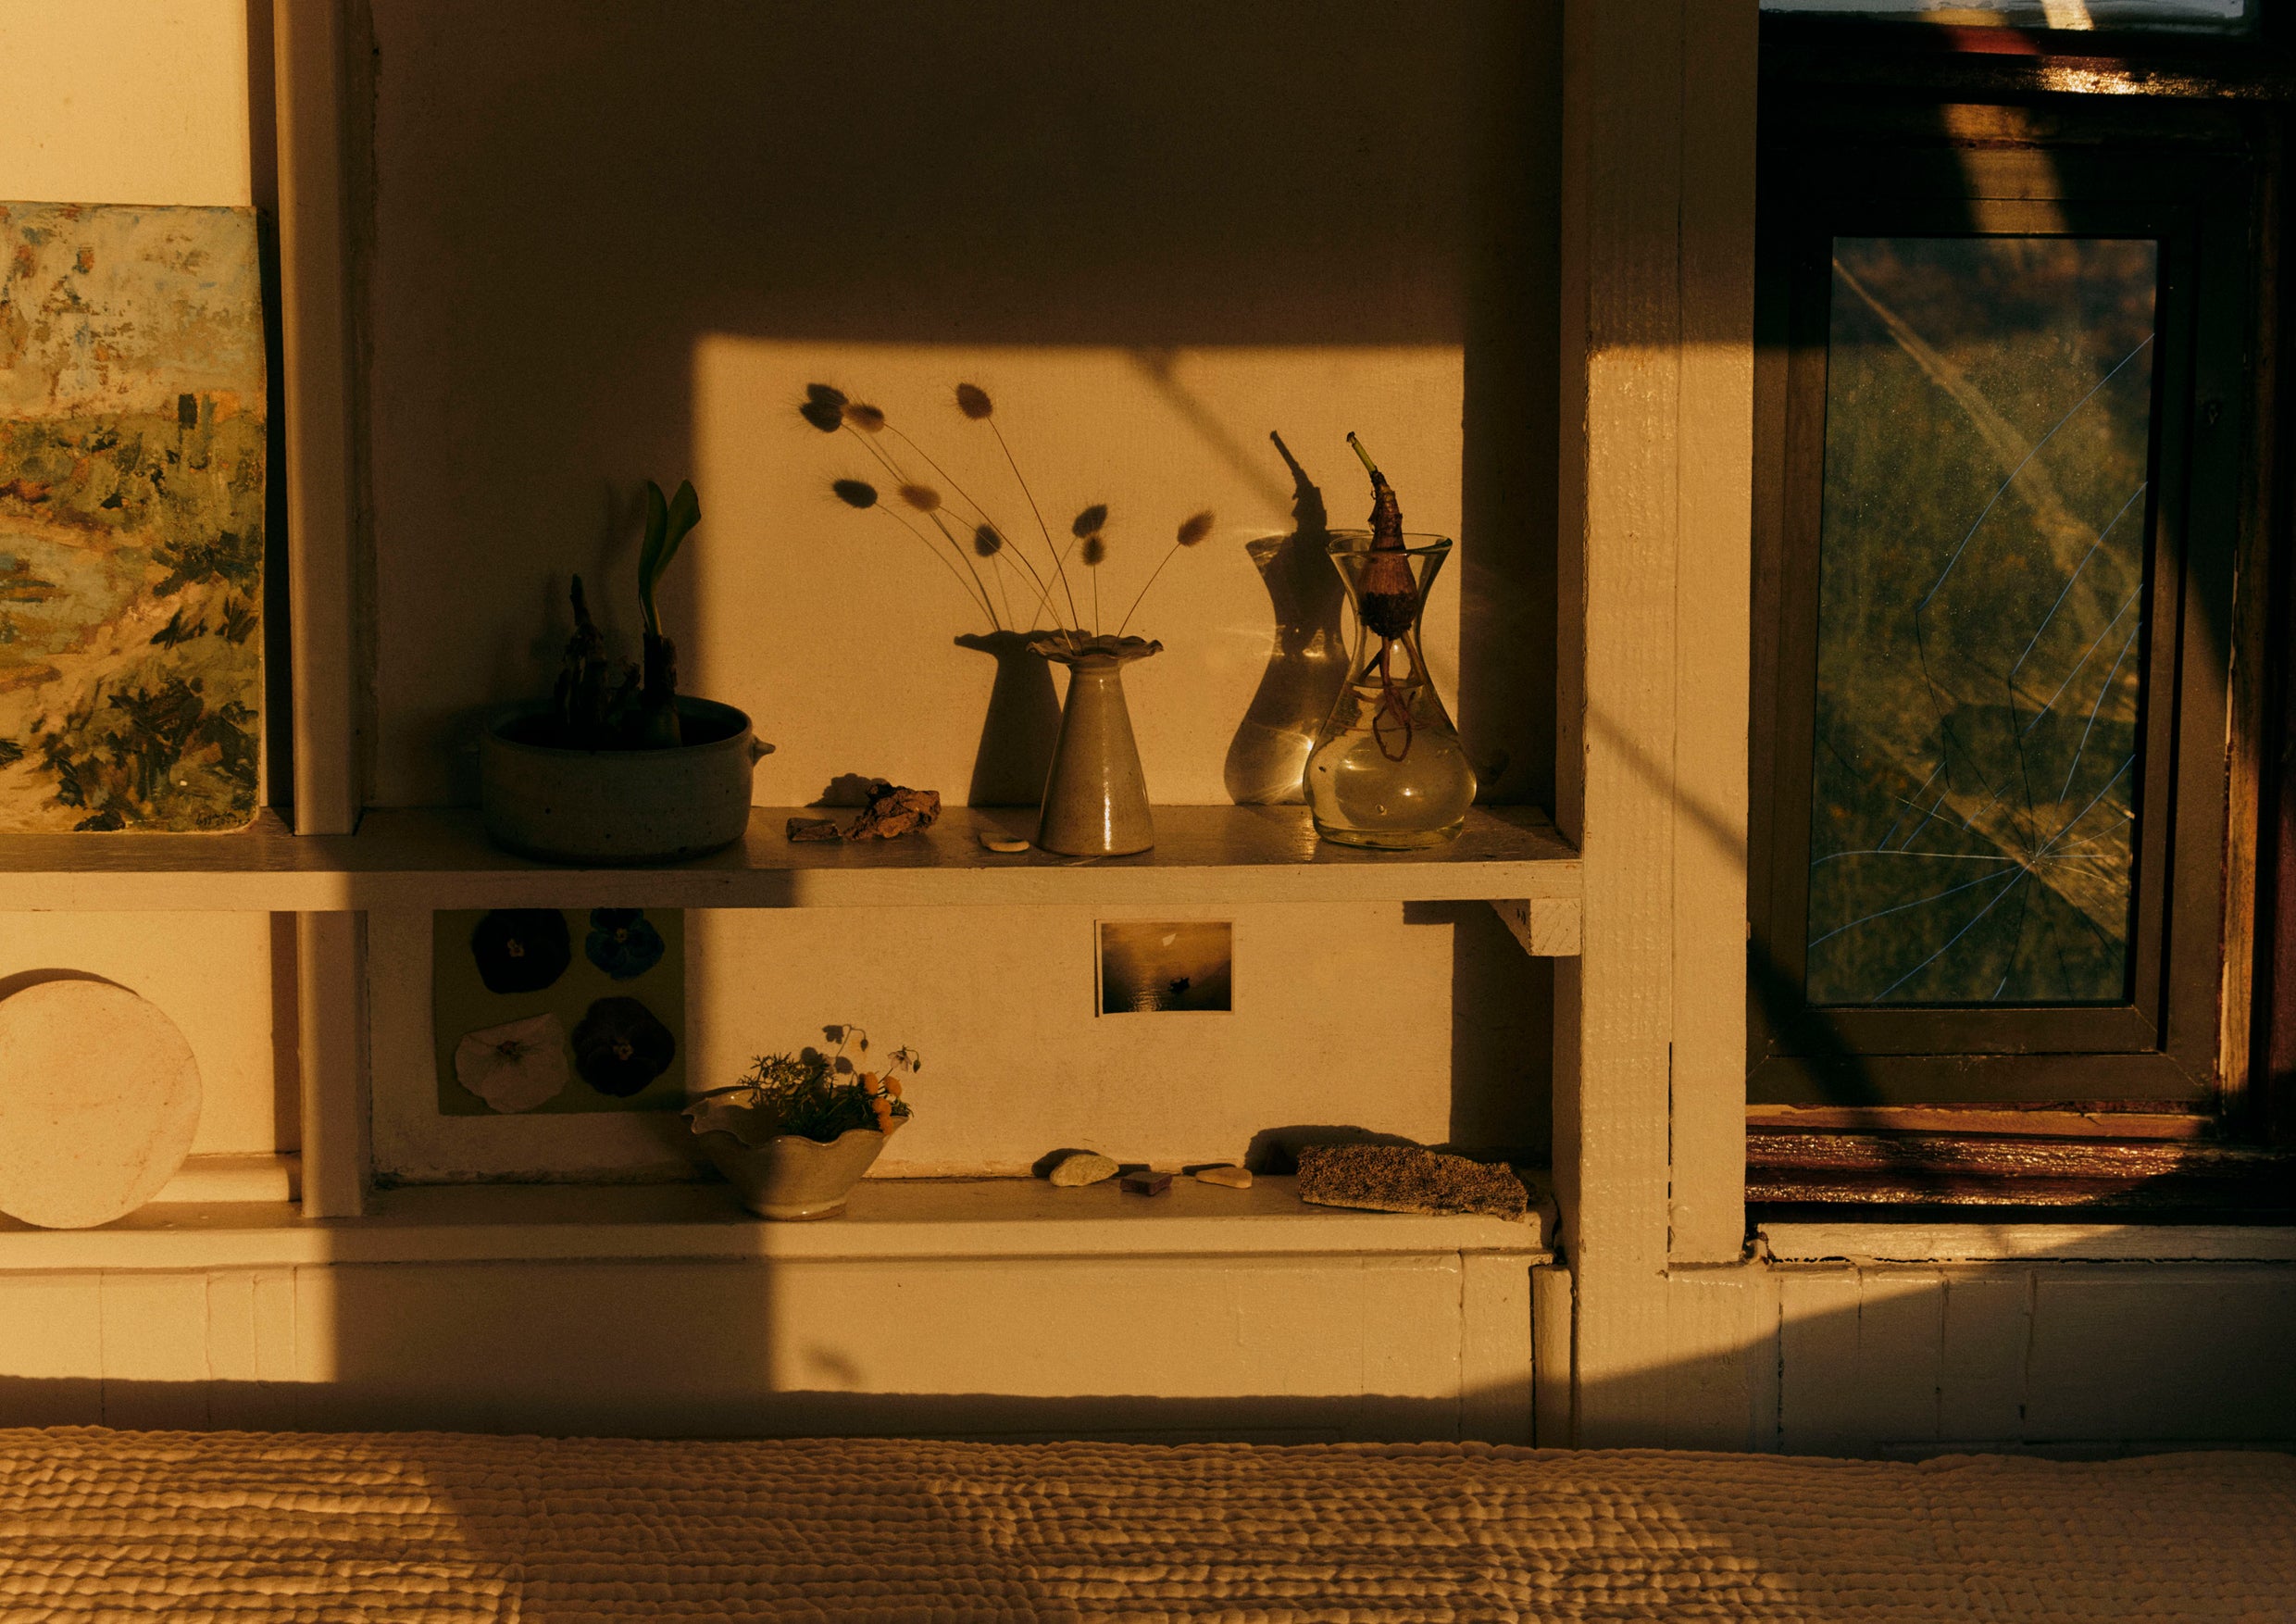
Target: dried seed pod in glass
point(1388, 770)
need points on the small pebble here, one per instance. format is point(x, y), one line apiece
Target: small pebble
point(1003, 843)
point(1084, 1167)
point(1233, 1178)
point(1147, 1183)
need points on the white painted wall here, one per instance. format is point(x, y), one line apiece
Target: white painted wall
point(125, 101)
point(146, 101)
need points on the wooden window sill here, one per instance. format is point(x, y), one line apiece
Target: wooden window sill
point(1790, 1170)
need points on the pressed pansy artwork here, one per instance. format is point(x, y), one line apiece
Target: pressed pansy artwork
point(524, 1025)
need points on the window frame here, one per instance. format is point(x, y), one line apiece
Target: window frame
point(1946, 169)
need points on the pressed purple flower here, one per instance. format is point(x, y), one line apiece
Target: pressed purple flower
point(521, 950)
point(619, 1047)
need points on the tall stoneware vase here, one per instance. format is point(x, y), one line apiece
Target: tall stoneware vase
point(1095, 796)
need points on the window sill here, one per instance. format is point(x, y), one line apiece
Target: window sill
point(1987, 1241)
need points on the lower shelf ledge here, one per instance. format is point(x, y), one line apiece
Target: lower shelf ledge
point(888, 1220)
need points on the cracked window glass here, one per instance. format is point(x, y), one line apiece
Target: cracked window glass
point(1982, 605)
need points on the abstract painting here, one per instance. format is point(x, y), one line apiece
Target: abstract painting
point(131, 506)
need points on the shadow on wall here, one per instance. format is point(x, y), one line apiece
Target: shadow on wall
point(1015, 755)
point(1286, 175)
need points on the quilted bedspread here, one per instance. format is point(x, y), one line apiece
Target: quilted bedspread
point(97, 1524)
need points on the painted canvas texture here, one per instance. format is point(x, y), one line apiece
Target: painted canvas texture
point(131, 517)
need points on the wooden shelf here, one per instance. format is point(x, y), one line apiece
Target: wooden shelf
point(439, 858)
point(889, 1219)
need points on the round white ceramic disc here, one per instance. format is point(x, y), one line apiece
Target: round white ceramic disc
point(99, 1096)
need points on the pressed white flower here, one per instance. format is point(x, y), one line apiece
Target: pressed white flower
point(516, 1066)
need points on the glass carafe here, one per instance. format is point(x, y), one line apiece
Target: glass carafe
point(1388, 770)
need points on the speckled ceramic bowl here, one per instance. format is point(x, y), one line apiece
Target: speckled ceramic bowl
point(617, 808)
point(793, 1177)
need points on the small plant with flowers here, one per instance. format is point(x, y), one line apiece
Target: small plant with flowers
point(991, 562)
point(811, 1095)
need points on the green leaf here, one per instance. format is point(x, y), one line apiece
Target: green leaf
point(650, 556)
point(685, 512)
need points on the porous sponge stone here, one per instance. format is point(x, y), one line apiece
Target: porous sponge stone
point(1407, 1178)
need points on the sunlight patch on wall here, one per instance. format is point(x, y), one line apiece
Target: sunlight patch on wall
point(859, 651)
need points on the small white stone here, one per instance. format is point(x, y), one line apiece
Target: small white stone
point(1233, 1178)
point(1084, 1167)
point(1002, 842)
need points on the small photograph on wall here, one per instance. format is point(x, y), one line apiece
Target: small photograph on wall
point(131, 506)
point(558, 1011)
point(1160, 967)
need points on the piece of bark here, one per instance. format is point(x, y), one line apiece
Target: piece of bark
point(814, 829)
point(895, 810)
point(1396, 1178)
point(1084, 1167)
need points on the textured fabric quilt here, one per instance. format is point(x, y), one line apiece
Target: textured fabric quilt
point(97, 1524)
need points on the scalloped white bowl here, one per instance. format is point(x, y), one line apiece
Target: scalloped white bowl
point(793, 1177)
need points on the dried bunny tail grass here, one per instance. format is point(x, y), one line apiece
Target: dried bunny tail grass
point(824, 407)
point(1094, 551)
point(987, 542)
point(1191, 531)
point(973, 400)
point(854, 493)
point(924, 498)
point(866, 418)
point(1089, 522)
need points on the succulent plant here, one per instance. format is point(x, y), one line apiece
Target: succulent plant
point(641, 711)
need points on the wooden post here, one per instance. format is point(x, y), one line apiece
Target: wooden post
point(316, 368)
point(332, 1035)
point(316, 326)
point(1657, 419)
